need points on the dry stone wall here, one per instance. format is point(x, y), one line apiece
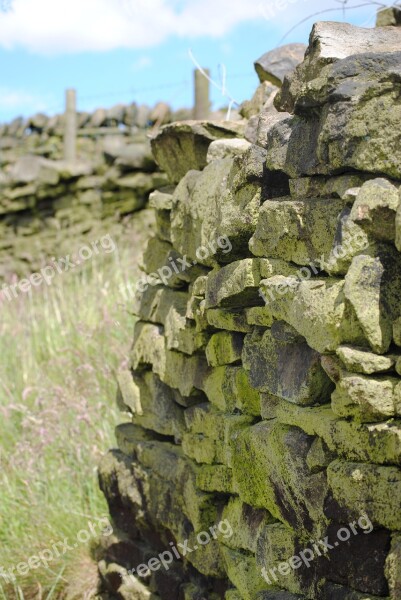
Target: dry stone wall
point(49, 207)
point(264, 440)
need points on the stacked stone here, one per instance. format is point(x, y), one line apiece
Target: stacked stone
point(49, 207)
point(264, 385)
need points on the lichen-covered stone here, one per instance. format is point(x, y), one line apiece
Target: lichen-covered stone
point(215, 478)
point(277, 548)
point(210, 434)
point(366, 399)
point(393, 567)
point(375, 209)
point(226, 148)
point(373, 287)
point(228, 320)
point(358, 360)
point(237, 285)
point(370, 489)
point(184, 373)
point(246, 524)
point(317, 309)
point(329, 44)
point(300, 231)
point(259, 316)
point(224, 348)
point(159, 411)
point(229, 389)
point(183, 146)
point(275, 65)
point(270, 471)
point(243, 572)
point(215, 212)
point(377, 442)
point(287, 368)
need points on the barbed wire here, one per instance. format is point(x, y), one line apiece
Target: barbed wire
point(345, 6)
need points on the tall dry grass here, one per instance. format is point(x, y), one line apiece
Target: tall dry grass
point(60, 346)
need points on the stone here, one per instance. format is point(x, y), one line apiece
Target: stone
point(366, 399)
point(28, 169)
point(98, 118)
point(373, 288)
point(388, 17)
point(183, 146)
point(246, 524)
point(226, 149)
point(334, 128)
point(319, 456)
point(215, 478)
point(224, 348)
point(115, 114)
point(317, 309)
point(195, 202)
point(129, 157)
point(276, 546)
point(229, 389)
point(159, 411)
point(331, 43)
point(278, 595)
point(262, 100)
point(375, 209)
point(259, 316)
point(129, 436)
point(368, 489)
point(128, 396)
point(270, 471)
point(160, 114)
point(181, 372)
point(228, 320)
point(286, 368)
point(275, 65)
point(210, 433)
point(215, 212)
point(376, 442)
point(398, 228)
point(237, 285)
point(397, 331)
point(393, 567)
point(162, 199)
point(359, 360)
point(350, 241)
point(332, 591)
point(165, 265)
point(296, 230)
point(243, 572)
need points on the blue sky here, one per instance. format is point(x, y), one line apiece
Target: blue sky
point(115, 51)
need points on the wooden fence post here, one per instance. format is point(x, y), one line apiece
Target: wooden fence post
point(202, 100)
point(70, 131)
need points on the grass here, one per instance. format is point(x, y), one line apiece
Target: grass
point(60, 346)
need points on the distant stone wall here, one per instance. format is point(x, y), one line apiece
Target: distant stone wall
point(48, 207)
point(264, 443)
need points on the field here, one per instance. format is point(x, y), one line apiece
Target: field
point(60, 348)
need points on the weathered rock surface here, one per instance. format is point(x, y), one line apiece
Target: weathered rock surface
point(275, 65)
point(182, 147)
point(265, 386)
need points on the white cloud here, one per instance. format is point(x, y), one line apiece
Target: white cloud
point(142, 63)
point(58, 26)
point(21, 101)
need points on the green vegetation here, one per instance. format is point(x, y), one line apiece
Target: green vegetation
point(59, 346)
